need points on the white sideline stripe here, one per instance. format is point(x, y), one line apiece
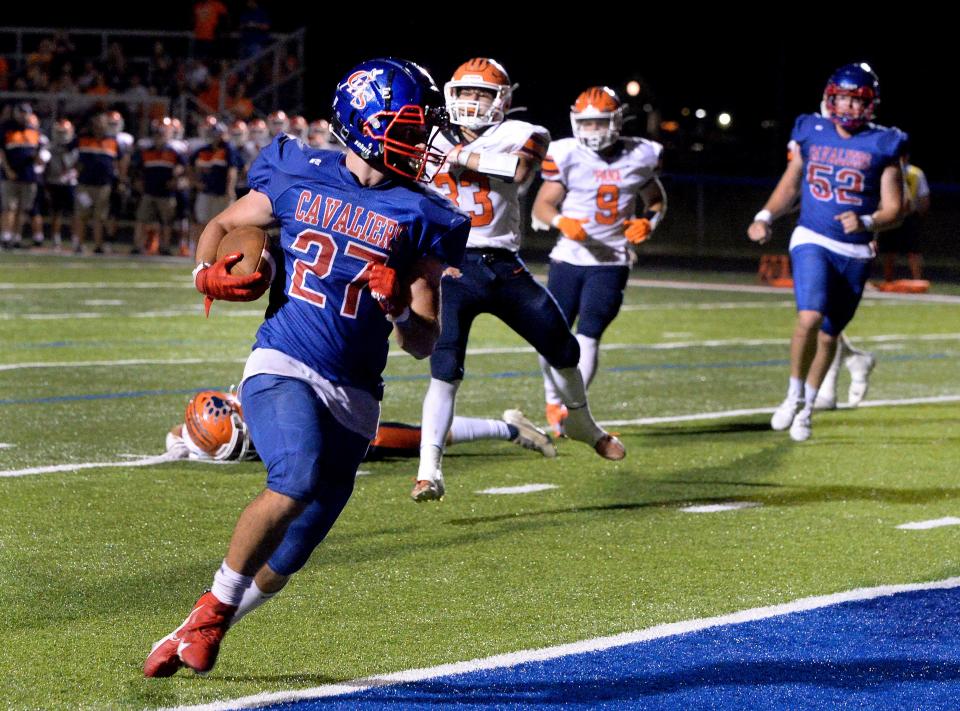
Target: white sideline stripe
point(641, 421)
point(933, 400)
point(54, 468)
point(5, 445)
point(8, 286)
point(717, 508)
point(524, 489)
point(112, 363)
point(597, 644)
point(706, 306)
point(933, 523)
point(170, 313)
point(103, 302)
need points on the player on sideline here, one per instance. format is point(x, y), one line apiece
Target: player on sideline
point(847, 173)
point(590, 190)
point(488, 159)
point(213, 430)
point(363, 248)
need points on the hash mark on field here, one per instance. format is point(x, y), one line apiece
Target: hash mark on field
point(525, 489)
point(4, 445)
point(103, 302)
point(932, 523)
point(716, 508)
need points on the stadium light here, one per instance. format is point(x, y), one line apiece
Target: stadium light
point(700, 113)
point(724, 120)
point(633, 88)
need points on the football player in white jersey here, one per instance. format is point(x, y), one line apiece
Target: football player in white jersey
point(590, 190)
point(488, 159)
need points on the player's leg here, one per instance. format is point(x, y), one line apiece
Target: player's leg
point(827, 394)
point(565, 283)
point(602, 298)
point(459, 306)
point(530, 310)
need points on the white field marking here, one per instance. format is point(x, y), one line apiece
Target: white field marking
point(640, 421)
point(103, 302)
point(5, 445)
point(169, 313)
point(57, 286)
point(705, 306)
point(597, 644)
point(525, 489)
point(115, 363)
point(55, 468)
point(934, 400)
point(933, 523)
point(716, 508)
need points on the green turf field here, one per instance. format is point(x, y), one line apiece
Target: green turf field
point(97, 360)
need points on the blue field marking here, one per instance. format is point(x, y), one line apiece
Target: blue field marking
point(473, 376)
point(898, 651)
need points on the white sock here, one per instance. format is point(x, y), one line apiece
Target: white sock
point(468, 429)
point(253, 597)
point(809, 396)
point(229, 585)
point(795, 389)
point(438, 407)
point(589, 357)
point(579, 424)
point(7, 236)
point(38, 236)
point(551, 394)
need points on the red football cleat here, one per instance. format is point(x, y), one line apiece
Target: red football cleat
point(556, 414)
point(195, 643)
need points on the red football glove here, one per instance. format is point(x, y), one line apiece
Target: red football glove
point(571, 228)
point(637, 230)
point(216, 282)
point(385, 288)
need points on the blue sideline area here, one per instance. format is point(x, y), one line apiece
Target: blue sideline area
point(896, 652)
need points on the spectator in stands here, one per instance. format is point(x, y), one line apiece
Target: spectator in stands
point(98, 166)
point(209, 19)
point(4, 74)
point(238, 103)
point(115, 68)
point(254, 23)
point(161, 68)
point(19, 157)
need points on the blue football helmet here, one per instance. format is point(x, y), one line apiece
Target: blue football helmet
point(385, 110)
point(856, 80)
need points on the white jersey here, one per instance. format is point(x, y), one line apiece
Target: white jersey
point(493, 204)
point(602, 191)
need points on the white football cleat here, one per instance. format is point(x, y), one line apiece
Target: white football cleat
point(784, 414)
point(429, 489)
point(529, 436)
point(860, 366)
point(801, 427)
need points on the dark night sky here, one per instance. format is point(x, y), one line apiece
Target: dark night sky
point(687, 57)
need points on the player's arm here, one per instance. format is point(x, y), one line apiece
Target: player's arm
point(546, 208)
point(418, 329)
point(654, 199)
point(888, 215)
point(780, 201)
point(231, 183)
point(508, 167)
point(254, 208)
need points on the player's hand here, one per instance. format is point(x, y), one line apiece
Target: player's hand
point(637, 230)
point(216, 282)
point(759, 232)
point(850, 221)
point(571, 227)
point(385, 288)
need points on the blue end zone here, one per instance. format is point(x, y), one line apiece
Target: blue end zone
point(900, 651)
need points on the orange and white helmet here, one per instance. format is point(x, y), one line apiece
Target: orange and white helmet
point(478, 73)
point(114, 123)
point(298, 127)
point(163, 128)
point(63, 132)
point(278, 122)
point(213, 424)
point(238, 133)
point(259, 133)
point(598, 103)
point(319, 133)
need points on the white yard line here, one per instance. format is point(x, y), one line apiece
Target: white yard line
point(524, 489)
point(933, 523)
point(116, 363)
point(121, 286)
point(609, 423)
point(717, 508)
point(597, 644)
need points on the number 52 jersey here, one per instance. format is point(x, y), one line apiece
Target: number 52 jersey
point(602, 190)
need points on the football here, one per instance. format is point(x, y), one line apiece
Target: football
point(253, 243)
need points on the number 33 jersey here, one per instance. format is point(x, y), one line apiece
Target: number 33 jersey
point(332, 229)
point(841, 174)
point(603, 192)
point(493, 205)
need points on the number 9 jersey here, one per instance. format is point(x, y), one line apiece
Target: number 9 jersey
point(841, 174)
point(602, 191)
point(493, 205)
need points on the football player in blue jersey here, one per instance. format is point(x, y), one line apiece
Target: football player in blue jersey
point(846, 171)
point(362, 247)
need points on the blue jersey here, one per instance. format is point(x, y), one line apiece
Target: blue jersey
point(841, 174)
point(332, 229)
